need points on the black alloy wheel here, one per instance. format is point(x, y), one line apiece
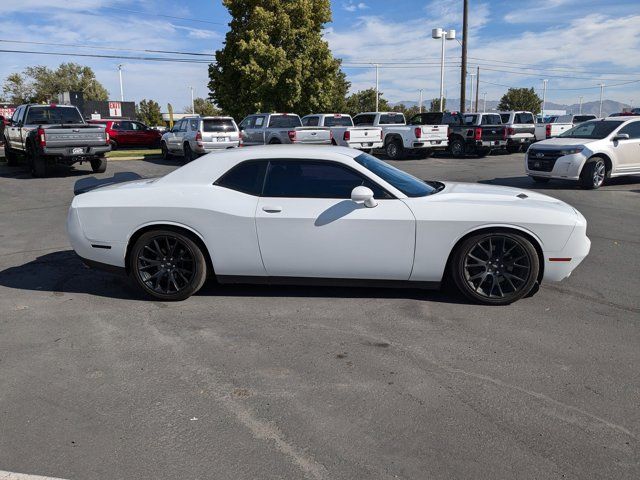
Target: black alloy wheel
point(457, 148)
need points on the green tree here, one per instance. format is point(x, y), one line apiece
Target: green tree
point(435, 105)
point(149, 113)
point(42, 84)
point(275, 59)
point(408, 112)
point(203, 107)
point(365, 101)
point(521, 99)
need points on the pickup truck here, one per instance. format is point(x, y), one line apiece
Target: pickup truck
point(54, 134)
point(344, 133)
point(560, 124)
point(521, 129)
point(399, 139)
point(275, 128)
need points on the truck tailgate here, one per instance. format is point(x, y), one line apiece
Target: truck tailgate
point(75, 136)
point(493, 132)
point(313, 135)
point(524, 130)
point(365, 134)
point(434, 132)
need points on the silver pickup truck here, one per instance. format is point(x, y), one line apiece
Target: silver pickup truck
point(274, 128)
point(54, 134)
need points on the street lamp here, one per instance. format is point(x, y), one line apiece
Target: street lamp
point(377, 65)
point(471, 99)
point(193, 105)
point(484, 105)
point(440, 33)
point(601, 97)
point(420, 105)
point(544, 95)
point(121, 89)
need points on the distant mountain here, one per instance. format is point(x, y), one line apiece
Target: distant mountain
point(608, 106)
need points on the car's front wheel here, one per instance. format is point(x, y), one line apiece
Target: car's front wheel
point(495, 268)
point(593, 173)
point(10, 154)
point(167, 265)
point(166, 155)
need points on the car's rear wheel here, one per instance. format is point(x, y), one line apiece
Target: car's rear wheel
point(99, 165)
point(394, 149)
point(457, 148)
point(482, 152)
point(165, 152)
point(167, 265)
point(513, 148)
point(114, 144)
point(541, 179)
point(593, 173)
point(188, 153)
point(495, 268)
point(38, 165)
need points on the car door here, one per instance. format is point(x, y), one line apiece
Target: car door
point(256, 132)
point(13, 130)
point(308, 226)
point(629, 149)
point(175, 136)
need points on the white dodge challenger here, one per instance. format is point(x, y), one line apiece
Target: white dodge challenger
point(324, 215)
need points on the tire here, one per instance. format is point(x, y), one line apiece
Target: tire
point(513, 148)
point(394, 149)
point(165, 277)
point(38, 164)
point(540, 179)
point(457, 148)
point(10, 154)
point(593, 173)
point(275, 141)
point(99, 165)
point(482, 152)
point(114, 144)
point(188, 153)
point(495, 268)
point(165, 152)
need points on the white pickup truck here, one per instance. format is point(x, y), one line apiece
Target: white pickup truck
point(560, 124)
point(344, 133)
point(280, 128)
point(399, 139)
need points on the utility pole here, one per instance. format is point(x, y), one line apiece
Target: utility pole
point(471, 97)
point(581, 97)
point(544, 95)
point(601, 96)
point(484, 106)
point(421, 99)
point(121, 89)
point(463, 69)
point(377, 88)
point(443, 35)
point(193, 104)
point(477, 87)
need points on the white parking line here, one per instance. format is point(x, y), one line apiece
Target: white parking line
point(23, 476)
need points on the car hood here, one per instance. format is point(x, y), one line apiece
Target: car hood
point(480, 196)
point(563, 142)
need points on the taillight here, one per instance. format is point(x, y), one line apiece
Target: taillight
point(511, 131)
point(547, 130)
point(331, 135)
point(240, 139)
point(478, 134)
point(199, 137)
point(292, 135)
point(504, 133)
point(418, 132)
point(347, 136)
point(42, 137)
point(107, 138)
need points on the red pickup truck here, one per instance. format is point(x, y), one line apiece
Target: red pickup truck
point(127, 133)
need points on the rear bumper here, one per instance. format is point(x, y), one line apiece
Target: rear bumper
point(208, 147)
point(432, 144)
point(67, 152)
point(365, 145)
point(520, 140)
point(490, 143)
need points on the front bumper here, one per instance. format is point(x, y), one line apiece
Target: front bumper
point(559, 265)
point(567, 167)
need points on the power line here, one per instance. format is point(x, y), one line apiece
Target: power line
point(119, 57)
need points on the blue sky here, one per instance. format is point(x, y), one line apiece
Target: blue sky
point(575, 44)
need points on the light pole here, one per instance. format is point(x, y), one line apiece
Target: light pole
point(581, 97)
point(472, 75)
point(601, 96)
point(193, 105)
point(420, 105)
point(121, 89)
point(484, 104)
point(544, 95)
point(440, 33)
point(377, 87)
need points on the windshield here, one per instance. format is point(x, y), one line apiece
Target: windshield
point(491, 120)
point(338, 121)
point(593, 129)
point(391, 119)
point(407, 184)
point(218, 125)
point(49, 115)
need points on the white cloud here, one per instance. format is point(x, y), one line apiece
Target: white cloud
point(352, 6)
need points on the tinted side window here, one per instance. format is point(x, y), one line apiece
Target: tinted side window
point(246, 177)
point(17, 115)
point(258, 122)
point(392, 119)
point(309, 179)
point(505, 117)
point(491, 120)
point(285, 121)
point(310, 121)
point(632, 129)
point(523, 118)
point(364, 119)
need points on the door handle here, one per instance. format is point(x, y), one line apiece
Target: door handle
point(269, 209)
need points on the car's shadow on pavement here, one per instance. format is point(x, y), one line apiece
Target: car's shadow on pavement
point(63, 272)
point(21, 172)
point(556, 184)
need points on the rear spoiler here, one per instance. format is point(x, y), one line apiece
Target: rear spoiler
point(87, 184)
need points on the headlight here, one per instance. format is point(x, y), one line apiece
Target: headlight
point(571, 151)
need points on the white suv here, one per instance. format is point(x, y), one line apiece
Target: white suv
point(590, 152)
point(193, 136)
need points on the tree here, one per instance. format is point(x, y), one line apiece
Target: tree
point(149, 113)
point(408, 112)
point(203, 107)
point(365, 101)
point(521, 99)
point(435, 105)
point(41, 84)
point(275, 59)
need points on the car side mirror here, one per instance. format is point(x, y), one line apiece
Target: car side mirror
point(363, 195)
point(621, 136)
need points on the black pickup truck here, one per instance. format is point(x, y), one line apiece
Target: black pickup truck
point(54, 134)
point(469, 133)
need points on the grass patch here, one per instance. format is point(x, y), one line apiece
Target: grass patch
point(146, 153)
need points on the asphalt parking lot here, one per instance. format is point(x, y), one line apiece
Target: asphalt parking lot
point(321, 383)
